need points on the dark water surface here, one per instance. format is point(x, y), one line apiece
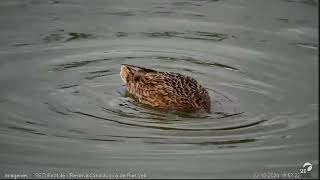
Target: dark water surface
point(63, 107)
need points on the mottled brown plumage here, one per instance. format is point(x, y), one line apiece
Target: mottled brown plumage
point(165, 90)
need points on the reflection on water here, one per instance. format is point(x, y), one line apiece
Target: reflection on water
point(62, 36)
point(64, 108)
point(189, 35)
point(308, 2)
point(197, 61)
point(197, 35)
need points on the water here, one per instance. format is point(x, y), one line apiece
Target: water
point(64, 109)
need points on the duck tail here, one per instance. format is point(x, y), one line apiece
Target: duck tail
point(126, 72)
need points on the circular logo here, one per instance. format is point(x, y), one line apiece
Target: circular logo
point(308, 166)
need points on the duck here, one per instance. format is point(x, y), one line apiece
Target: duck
point(168, 91)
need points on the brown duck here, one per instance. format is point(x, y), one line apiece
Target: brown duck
point(165, 90)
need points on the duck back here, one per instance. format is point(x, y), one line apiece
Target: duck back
point(165, 90)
